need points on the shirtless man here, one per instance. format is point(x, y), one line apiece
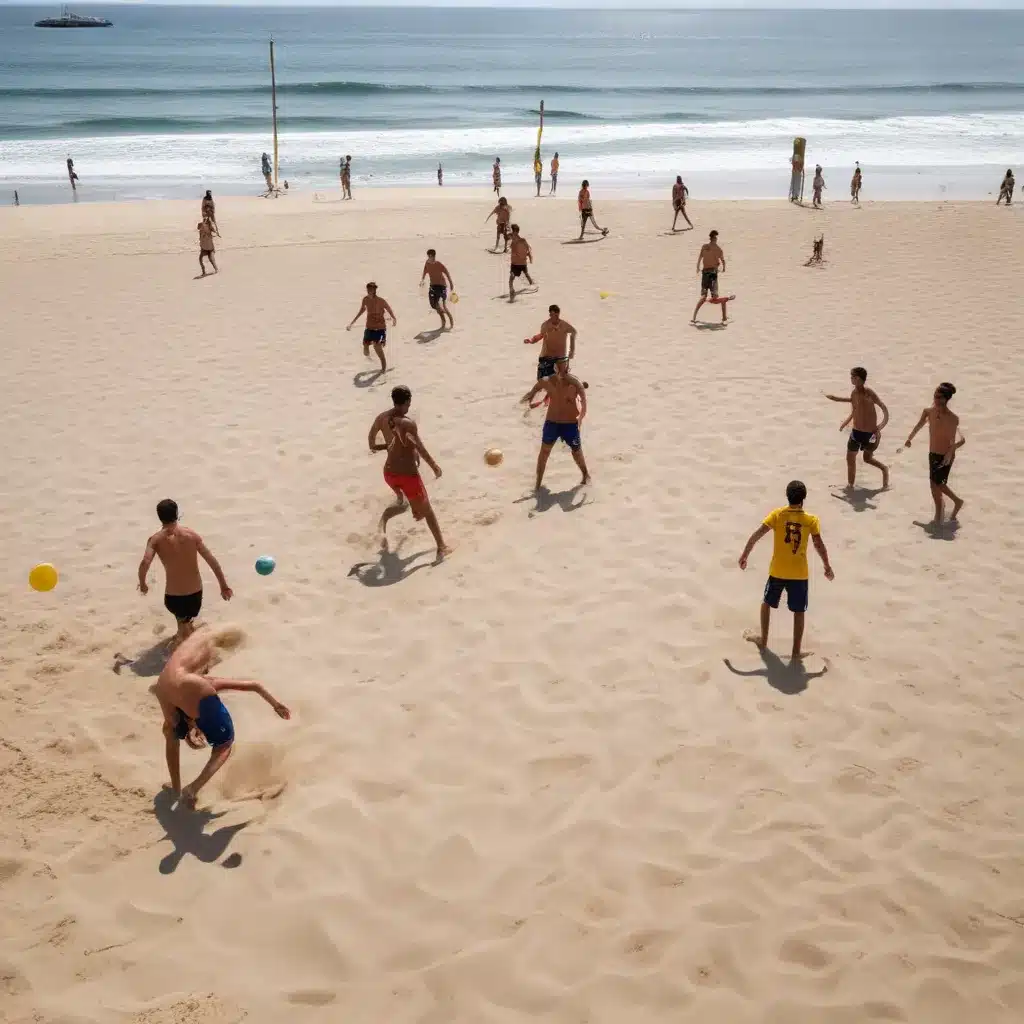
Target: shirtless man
point(376, 332)
point(346, 178)
point(502, 214)
point(567, 405)
point(942, 445)
point(268, 171)
point(679, 194)
point(209, 212)
point(554, 175)
point(867, 433)
point(402, 468)
point(1006, 188)
point(438, 294)
point(583, 201)
point(558, 336)
point(855, 183)
point(816, 186)
point(72, 176)
point(496, 175)
point(205, 229)
point(192, 708)
point(709, 259)
point(521, 255)
point(178, 549)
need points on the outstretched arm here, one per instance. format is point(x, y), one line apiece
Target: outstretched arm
point(819, 546)
point(920, 423)
point(751, 541)
point(839, 398)
point(541, 385)
point(211, 561)
point(362, 309)
point(147, 561)
point(250, 686)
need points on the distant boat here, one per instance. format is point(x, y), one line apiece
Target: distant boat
point(69, 20)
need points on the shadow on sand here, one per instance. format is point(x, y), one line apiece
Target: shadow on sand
point(788, 677)
point(585, 241)
point(185, 827)
point(946, 530)
point(703, 325)
point(566, 500)
point(150, 662)
point(390, 568)
point(425, 337)
point(859, 498)
point(367, 378)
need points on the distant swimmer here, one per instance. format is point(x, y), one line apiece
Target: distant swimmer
point(867, 431)
point(72, 175)
point(206, 246)
point(440, 176)
point(440, 282)
point(788, 572)
point(559, 342)
point(209, 211)
point(268, 171)
point(520, 257)
point(855, 185)
point(679, 194)
point(1006, 188)
point(586, 208)
point(709, 260)
point(502, 214)
point(567, 406)
point(376, 332)
point(943, 443)
point(554, 175)
point(179, 549)
point(345, 172)
point(538, 173)
point(816, 186)
point(192, 708)
point(405, 448)
point(496, 175)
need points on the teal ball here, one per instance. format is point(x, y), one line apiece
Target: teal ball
point(265, 565)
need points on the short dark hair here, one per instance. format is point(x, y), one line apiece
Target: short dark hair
point(796, 492)
point(431, 253)
point(714, 234)
point(586, 184)
point(553, 308)
point(371, 286)
point(347, 157)
point(860, 373)
point(946, 390)
point(401, 395)
point(515, 229)
point(167, 511)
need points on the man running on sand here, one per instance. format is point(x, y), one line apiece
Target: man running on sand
point(866, 434)
point(679, 194)
point(402, 468)
point(502, 214)
point(586, 206)
point(376, 332)
point(178, 549)
point(557, 335)
point(942, 446)
point(788, 572)
point(567, 406)
point(709, 259)
point(438, 294)
point(496, 175)
point(206, 247)
point(521, 255)
point(193, 710)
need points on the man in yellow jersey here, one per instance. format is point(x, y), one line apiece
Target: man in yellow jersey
point(792, 527)
point(554, 175)
point(538, 171)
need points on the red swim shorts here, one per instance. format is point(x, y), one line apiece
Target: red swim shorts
point(411, 486)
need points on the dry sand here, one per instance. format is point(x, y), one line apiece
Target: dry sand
point(546, 779)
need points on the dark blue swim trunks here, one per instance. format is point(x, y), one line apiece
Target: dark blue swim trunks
point(214, 722)
point(567, 432)
point(375, 337)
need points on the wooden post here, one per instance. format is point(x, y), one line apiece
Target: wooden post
point(273, 102)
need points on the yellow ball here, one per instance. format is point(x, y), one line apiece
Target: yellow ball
point(454, 298)
point(43, 577)
point(604, 295)
point(493, 456)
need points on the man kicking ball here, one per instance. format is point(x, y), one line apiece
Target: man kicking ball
point(567, 405)
point(792, 527)
point(193, 710)
point(709, 260)
point(440, 282)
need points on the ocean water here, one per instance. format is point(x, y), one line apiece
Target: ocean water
point(174, 99)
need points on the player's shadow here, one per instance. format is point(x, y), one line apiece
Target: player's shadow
point(185, 828)
point(585, 241)
point(946, 530)
point(367, 378)
point(788, 677)
point(389, 568)
point(703, 325)
point(860, 498)
point(672, 232)
point(568, 500)
point(425, 337)
point(150, 662)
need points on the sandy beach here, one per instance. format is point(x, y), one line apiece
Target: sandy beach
point(547, 779)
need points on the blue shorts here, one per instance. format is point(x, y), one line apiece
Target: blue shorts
point(567, 432)
point(214, 722)
point(796, 593)
point(375, 337)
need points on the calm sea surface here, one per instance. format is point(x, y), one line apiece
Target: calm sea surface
point(172, 99)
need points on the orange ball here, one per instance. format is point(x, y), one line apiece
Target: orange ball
point(493, 456)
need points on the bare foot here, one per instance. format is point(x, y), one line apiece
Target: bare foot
point(756, 639)
point(604, 231)
point(442, 553)
point(120, 661)
point(585, 480)
point(188, 797)
point(957, 505)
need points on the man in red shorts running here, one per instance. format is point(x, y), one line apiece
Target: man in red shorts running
point(402, 468)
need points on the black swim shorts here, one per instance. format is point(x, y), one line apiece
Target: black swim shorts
point(438, 294)
point(709, 283)
point(937, 472)
point(517, 269)
point(375, 337)
point(861, 441)
point(546, 367)
point(184, 607)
